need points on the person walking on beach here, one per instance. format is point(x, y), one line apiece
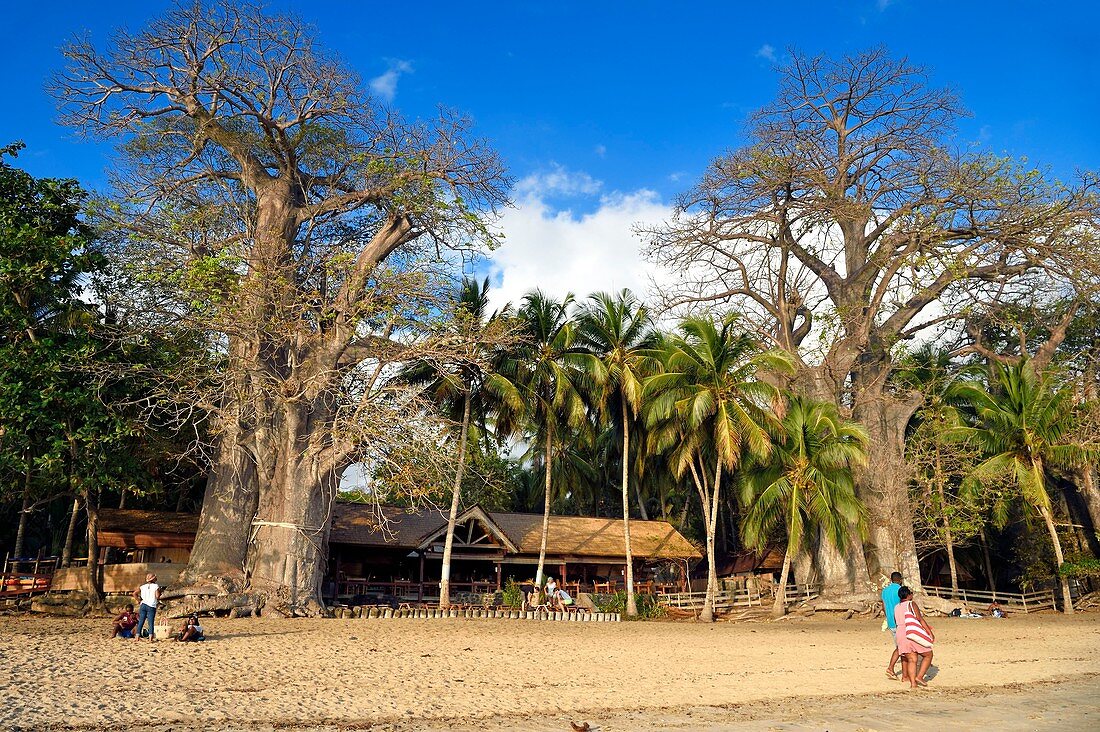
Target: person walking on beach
point(149, 594)
point(890, 601)
point(915, 638)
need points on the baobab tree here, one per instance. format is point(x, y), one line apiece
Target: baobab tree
point(849, 224)
point(283, 210)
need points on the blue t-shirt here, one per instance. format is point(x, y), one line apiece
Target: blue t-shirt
point(890, 600)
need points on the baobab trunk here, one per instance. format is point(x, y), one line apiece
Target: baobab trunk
point(228, 507)
point(288, 550)
point(456, 493)
point(631, 601)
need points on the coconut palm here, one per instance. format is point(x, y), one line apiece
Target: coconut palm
point(461, 388)
point(707, 408)
point(806, 485)
point(618, 332)
point(1023, 427)
point(546, 375)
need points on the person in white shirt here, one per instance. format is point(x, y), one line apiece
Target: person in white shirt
point(551, 588)
point(149, 594)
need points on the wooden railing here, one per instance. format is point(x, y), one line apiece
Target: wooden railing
point(1017, 601)
point(407, 589)
point(727, 599)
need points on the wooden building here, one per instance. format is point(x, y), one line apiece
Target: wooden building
point(398, 552)
point(402, 555)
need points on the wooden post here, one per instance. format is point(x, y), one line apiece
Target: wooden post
point(561, 571)
point(498, 569)
point(420, 591)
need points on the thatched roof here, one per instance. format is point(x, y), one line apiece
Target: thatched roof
point(594, 537)
point(133, 521)
point(364, 524)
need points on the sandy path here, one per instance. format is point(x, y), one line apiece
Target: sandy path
point(443, 674)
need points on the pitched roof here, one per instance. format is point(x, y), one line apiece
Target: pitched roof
point(133, 521)
point(364, 524)
point(594, 537)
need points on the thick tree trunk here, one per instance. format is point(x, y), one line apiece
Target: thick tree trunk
point(631, 602)
point(456, 493)
point(229, 505)
point(779, 607)
point(546, 508)
point(70, 533)
point(1067, 599)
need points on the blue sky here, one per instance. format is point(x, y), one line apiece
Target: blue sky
point(625, 101)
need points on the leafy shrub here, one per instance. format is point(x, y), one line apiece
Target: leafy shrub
point(1081, 568)
point(512, 595)
point(648, 608)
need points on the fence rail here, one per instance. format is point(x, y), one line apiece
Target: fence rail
point(726, 599)
point(1024, 602)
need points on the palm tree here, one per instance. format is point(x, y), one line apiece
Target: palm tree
point(708, 408)
point(545, 375)
point(1022, 428)
point(618, 332)
point(458, 387)
point(806, 484)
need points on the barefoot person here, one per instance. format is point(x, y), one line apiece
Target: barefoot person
point(915, 638)
point(191, 630)
point(890, 601)
point(124, 624)
point(149, 594)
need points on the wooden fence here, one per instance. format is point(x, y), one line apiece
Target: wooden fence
point(731, 598)
point(1023, 602)
point(23, 584)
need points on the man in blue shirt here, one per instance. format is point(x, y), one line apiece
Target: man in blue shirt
point(890, 600)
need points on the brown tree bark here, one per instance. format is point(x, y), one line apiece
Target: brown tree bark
point(24, 513)
point(631, 602)
point(70, 533)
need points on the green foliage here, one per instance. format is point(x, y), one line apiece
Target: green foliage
point(615, 602)
point(512, 594)
point(1081, 567)
point(806, 483)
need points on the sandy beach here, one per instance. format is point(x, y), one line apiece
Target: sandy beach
point(1034, 672)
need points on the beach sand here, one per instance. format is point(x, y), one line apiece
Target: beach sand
point(1033, 672)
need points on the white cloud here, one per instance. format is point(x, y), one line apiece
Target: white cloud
point(385, 85)
point(557, 181)
point(560, 251)
point(600, 150)
point(766, 52)
point(883, 4)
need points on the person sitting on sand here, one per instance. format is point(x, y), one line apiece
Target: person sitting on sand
point(915, 638)
point(996, 610)
point(192, 630)
point(124, 624)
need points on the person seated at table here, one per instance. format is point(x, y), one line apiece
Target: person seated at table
point(192, 630)
point(125, 623)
